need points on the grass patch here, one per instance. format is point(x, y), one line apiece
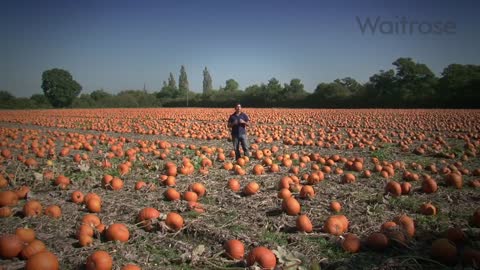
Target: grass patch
point(274, 238)
point(385, 152)
point(405, 203)
point(327, 248)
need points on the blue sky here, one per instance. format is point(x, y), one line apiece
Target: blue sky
point(118, 45)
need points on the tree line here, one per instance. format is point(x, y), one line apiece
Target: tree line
point(408, 84)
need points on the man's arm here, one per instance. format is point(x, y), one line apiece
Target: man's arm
point(231, 122)
point(245, 121)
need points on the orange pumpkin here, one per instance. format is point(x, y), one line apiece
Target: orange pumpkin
point(304, 224)
point(25, 234)
point(32, 248)
point(10, 246)
point(117, 232)
point(77, 197)
point(234, 249)
point(444, 251)
point(8, 198)
point(377, 241)
point(99, 260)
point(174, 221)
point(32, 208)
point(53, 211)
point(351, 243)
point(263, 256)
point(291, 206)
point(43, 260)
point(198, 188)
point(251, 188)
point(172, 194)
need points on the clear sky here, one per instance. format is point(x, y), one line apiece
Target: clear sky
point(118, 44)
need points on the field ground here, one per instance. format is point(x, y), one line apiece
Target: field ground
point(403, 145)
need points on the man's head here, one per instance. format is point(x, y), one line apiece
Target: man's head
point(238, 107)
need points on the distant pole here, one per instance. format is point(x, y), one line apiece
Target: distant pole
point(144, 88)
point(187, 97)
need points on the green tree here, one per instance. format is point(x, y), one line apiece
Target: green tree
point(331, 91)
point(40, 101)
point(207, 82)
point(6, 99)
point(381, 89)
point(460, 85)
point(272, 92)
point(171, 82)
point(84, 101)
point(99, 95)
point(183, 82)
point(351, 84)
point(59, 87)
point(231, 85)
point(415, 82)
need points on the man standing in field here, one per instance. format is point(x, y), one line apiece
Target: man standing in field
point(238, 122)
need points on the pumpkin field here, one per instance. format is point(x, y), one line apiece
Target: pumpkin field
point(161, 189)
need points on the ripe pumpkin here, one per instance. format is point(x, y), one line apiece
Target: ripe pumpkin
point(351, 243)
point(198, 188)
point(131, 267)
point(99, 260)
point(32, 208)
point(234, 185)
point(335, 206)
point(444, 251)
point(471, 257)
point(251, 188)
point(190, 196)
point(43, 260)
point(234, 249)
point(53, 211)
point(10, 246)
point(429, 185)
point(5, 211)
point(8, 198)
point(387, 226)
point(22, 192)
point(62, 181)
point(304, 224)
point(428, 209)
point(94, 205)
point(454, 179)
point(348, 178)
point(307, 192)
point(172, 194)
point(406, 188)
point(116, 184)
point(77, 197)
point(263, 256)
point(91, 195)
point(291, 206)
point(456, 235)
point(85, 240)
point(377, 241)
point(284, 193)
point(27, 235)
point(336, 225)
point(393, 188)
point(476, 218)
point(406, 223)
point(174, 221)
point(148, 213)
point(32, 248)
point(91, 220)
point(117, 232)
point(85, 229)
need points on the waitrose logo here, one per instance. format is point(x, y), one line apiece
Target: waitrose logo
point(404, 26)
